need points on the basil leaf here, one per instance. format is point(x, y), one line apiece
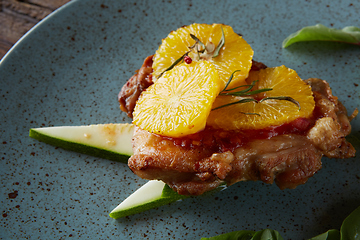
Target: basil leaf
point(266, 234)
point(319, 32)
point(237, 235)
point(332, 234)
point(350, 228)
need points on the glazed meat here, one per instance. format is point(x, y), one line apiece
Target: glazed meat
point(330, 130)
point(131, 91)
point(141, 80)
point(288, 159)
point(200, 163)
point(188, 171)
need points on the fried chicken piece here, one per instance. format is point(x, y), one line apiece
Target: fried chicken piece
point(131, 91)
point(288, 159)
point(156, 157)
point(140, 81)
point(329, 131)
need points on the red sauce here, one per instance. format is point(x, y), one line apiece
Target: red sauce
point(222, 141)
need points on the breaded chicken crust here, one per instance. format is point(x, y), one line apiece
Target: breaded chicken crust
point(192, 166)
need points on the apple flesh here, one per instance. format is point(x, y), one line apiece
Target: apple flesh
point(108, 141)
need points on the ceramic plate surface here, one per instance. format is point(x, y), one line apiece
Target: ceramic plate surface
point(69, 69)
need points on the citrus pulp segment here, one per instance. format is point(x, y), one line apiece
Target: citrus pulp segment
point(236, 54)
point(284, 82)
point(179, 102)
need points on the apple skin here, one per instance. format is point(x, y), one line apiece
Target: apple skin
point(108, 141)
point(113, 142)
point(153, 194)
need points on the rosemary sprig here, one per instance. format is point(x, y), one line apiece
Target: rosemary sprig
point(244, 92)
point(247, 92)
point(197, 42)
point(229, 81)
point(245, 100)
point(174, 63)
point(203, 50)
point(290, 99)
point(220, 45)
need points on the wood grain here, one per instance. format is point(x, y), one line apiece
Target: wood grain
point(19, 16)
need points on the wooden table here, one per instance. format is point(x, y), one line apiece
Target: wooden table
point(18, 16)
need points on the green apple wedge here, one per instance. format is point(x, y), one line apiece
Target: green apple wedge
point(108, 141)
point(113, 142)
point(153, 194)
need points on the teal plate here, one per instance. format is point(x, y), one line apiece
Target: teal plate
point(69, 69)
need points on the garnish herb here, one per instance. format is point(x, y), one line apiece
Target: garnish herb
point(209, 50)
point(187, 59)
point(229, 81)
point(267, 234)
point(174, 63)
point(349, 230)
point(202, 50)
point(197, 42)
point(247, 92)
point(244, 100)
point(220, 45)
point(290, 99)
point(319, 32)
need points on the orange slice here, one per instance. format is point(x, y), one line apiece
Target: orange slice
point(179, 102)
point(284, 82)
point(236, 54)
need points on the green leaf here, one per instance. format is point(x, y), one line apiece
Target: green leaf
point(332, 234)
point(319, 32)
point(236, 235)
point(266, 234)
point(350, 229)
